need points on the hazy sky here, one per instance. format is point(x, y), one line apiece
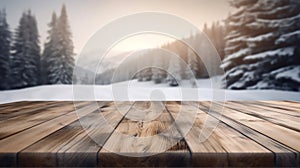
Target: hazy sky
point(88, 16)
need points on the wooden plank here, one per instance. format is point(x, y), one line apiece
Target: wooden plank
point(43, 153)
point(17, 142)
point(35, 117)
point(29, 110)
point(50, 150)
point(284, 155)
point(284, 135)
point(85, 152)
point(288, 106)
point(223, 146)
point(273, 107)
point(23, 106)
point(271, 115)
point(12, 104)
point(141, 138)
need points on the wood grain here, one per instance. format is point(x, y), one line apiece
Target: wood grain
point(223, 145)
point(138, 141)
point(268, 114)
point(284, 155)
point(246, 133)
point(97, 131)
point(25, 121)
point(17, 142)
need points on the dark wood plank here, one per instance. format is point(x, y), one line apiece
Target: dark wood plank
point(141, 138)
point(29, 110)
point(23, 106)
point(12, 104)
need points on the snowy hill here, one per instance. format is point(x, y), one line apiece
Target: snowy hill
point(139, 91)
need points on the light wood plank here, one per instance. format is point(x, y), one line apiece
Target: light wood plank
point(35, 117)
point(50, 150)
point(273, 107)
point(223, 146)
point(11, 145)
point(284, 155)
point(247, 134)
point(279, 118)
point(43, 153)
point(288, 106)
point(140, 138)
point(85, 152)
point(284, 135)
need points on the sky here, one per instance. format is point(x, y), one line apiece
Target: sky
point(88, 16)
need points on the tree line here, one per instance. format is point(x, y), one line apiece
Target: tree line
point(259, 45)
point(22, 64)
point(201, 42)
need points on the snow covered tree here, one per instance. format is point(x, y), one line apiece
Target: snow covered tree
point(174, 72)
point(263, 45)
point(218, 37)
point(25, 58)
point(193, 63)
point(5, 40)
point(58, 55)
point(49, 50)
point(193, 66)
point(158, 74)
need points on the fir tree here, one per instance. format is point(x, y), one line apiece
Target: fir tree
point(193, 67)
point(49, 50)
point(174, 72)
point(216, 34)
point(5, 39)
point(59, 57)
point(262, 48)
point(158, 74)
point(25, 58)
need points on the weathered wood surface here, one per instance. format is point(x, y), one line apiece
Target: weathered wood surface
point(248, 133)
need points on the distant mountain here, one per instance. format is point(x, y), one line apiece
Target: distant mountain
point(91, 61)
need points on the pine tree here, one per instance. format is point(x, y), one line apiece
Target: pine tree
point(60, 60)
point(193, 67)
point(219, 32)
point(216, 34)
point(174, 71)
point(66, 51)
point(5, 39)
point(192, 58)
point(262, 48)
point(25, 58)
point(158, 74)
point(49, 50)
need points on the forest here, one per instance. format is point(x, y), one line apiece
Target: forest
point(258, 44)
point(23, 64)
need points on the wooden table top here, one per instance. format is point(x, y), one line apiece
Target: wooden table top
point(248, 133)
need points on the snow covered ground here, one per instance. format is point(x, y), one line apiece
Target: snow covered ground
point(138, 91)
